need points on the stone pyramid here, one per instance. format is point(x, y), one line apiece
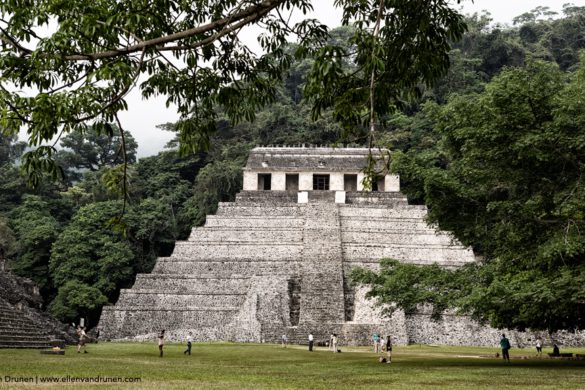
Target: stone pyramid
point(276, 261)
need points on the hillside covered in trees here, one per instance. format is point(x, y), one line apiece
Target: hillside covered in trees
point(496, 149)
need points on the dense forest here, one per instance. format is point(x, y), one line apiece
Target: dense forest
point(496, 149)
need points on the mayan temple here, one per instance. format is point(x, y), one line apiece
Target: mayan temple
point(276, 261)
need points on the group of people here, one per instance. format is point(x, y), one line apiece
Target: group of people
point(505, 345)
point(383, 344)
point(332, 342)
point(161, 343)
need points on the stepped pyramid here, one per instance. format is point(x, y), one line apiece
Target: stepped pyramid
point(276, 261)
point(17, 331)
point(22, 323)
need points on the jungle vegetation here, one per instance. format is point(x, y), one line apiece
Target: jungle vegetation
point(486, 124)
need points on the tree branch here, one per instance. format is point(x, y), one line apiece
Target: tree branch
point(373, 77)
point(13, 42)
point(248, 15)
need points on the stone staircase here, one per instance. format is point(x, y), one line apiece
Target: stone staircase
point(17, 331)
point(322, 299)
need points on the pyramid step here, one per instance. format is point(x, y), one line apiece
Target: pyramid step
point(259, 236)
point(251, 222)
point(175, 283)
point(162, 300)
point(405, 238)
point(416, 254)
point(24, 345)
point(275, 251)
point(222, 267)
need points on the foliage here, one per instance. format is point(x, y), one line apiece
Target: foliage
point(217, 182)
point(12, 187)
point(36, 231)
point(90, 252)
point(7, 240)
point(10, 149)
point(407, 286)
point(507, 179)
point(153, 231)
point(82, 69)
point(76, 299)
point(92, 150)
point(410, 49)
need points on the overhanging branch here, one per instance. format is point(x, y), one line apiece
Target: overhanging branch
point(241, 18)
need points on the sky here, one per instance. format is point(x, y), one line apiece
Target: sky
point(142, 117)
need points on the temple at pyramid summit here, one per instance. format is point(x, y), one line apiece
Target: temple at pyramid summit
point(277, 260)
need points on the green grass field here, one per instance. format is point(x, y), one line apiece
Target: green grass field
point(269, 366)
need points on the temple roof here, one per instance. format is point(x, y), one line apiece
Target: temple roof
point(311, 158)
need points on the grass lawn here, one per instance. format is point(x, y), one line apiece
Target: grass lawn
point(268, 366)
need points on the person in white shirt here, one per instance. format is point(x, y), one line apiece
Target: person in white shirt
point(310, 342)
point(538, 347)
point(161, 342)
point(82, 339)
point(284, 341)
point(189, 343)
point(334, 342)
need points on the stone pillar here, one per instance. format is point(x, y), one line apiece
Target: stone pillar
point(250, 181)
point(391, 183)
point(336, 181)
point(278, 181)
point(303, 197)
point(360, 178)
point(305, 181)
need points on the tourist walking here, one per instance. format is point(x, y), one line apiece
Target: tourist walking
point(161, 342)
point(82, 339)
point(310, 342)
point(331, 342)
point(189, 343)
point(376, 339)
point(382, 344)
point(284, 341)
point(334, 342)
point(538, 347)
point(505, 345)
point(388, 349)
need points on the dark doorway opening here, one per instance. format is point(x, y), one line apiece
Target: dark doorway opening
point(378, 184)
point(292, 182)
point(264, 181)
point(350, 182)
